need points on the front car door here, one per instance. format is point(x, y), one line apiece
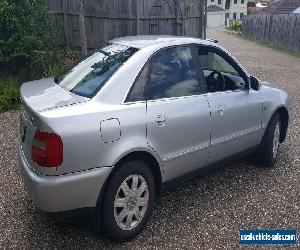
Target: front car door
point(236, 110)
point(178, 115)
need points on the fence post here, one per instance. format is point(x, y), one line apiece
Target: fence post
point(82, 29)
point(205, 19)
point(137, 6)
point(201, 18)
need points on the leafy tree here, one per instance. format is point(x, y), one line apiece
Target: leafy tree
point(25, 27)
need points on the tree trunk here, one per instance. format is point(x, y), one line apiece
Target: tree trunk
point(82, 29)
point(66, 24)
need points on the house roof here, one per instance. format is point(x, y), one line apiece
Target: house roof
point(214, 8)
point(297, 10)
point(281, 7)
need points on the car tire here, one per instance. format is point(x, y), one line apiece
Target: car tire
point(127, 208)
point(268, 149)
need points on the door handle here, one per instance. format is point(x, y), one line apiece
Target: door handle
point(161, 120)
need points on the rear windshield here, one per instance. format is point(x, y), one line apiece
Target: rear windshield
point(90, 75)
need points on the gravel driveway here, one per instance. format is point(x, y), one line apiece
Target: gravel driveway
point(205, 213)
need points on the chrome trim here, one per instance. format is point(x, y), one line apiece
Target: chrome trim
point(130, 103)
point(185, 96)
point(162, 99)
point(193, 150)
point(173, 98)
point(227, 91)
point(172, 157)
point(230, 138)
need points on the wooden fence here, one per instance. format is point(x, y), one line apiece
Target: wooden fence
point(107, 19)
point(281, 30)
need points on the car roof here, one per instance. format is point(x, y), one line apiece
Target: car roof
point(144, 41)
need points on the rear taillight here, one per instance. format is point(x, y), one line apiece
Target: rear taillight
point(47, 149)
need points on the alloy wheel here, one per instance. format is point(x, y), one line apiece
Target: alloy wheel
point(131, 202)
point(276, 140)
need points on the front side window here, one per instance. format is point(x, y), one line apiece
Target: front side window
point(173, 74)
point(90, 75)
point(219, 73)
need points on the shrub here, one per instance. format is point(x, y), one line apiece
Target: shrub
point(55, 70)
point(25, 27)
point(237, 25)
point(9, 95)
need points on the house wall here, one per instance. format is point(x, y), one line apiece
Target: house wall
point(237, 8)
point(217, 3)
point(215, 19)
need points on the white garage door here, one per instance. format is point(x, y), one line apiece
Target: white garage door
point(215, 19)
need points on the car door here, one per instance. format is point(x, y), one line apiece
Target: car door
point(178, 115)
point(236, 110)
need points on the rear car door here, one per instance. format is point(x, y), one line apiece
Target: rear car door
point(178, 115)
point(236, 110)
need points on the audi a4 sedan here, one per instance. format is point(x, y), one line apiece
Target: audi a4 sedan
point(136, 115)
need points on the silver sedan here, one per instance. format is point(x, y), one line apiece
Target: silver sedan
point(139, 114)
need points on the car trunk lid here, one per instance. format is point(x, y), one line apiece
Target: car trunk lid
point(36, 98)
point(45, 94)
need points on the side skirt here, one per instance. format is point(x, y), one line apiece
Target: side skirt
point(203, 171)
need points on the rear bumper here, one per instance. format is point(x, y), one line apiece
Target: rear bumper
point(64, 192)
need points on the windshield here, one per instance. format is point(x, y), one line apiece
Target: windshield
point(90, 75)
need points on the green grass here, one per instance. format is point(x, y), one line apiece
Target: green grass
point(233, 31)
point(55, 70)
point(9, 95)
point(43, 64)
point(283, 50)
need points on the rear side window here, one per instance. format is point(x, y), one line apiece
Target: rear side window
point(90, 75)
point(137, 91)
point(173, 74)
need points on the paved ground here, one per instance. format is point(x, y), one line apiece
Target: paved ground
point(204, 213)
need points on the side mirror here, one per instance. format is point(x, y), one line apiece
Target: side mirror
point(254, 83)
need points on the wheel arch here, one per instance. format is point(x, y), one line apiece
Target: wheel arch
point(284, 119)
point(151, 161)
